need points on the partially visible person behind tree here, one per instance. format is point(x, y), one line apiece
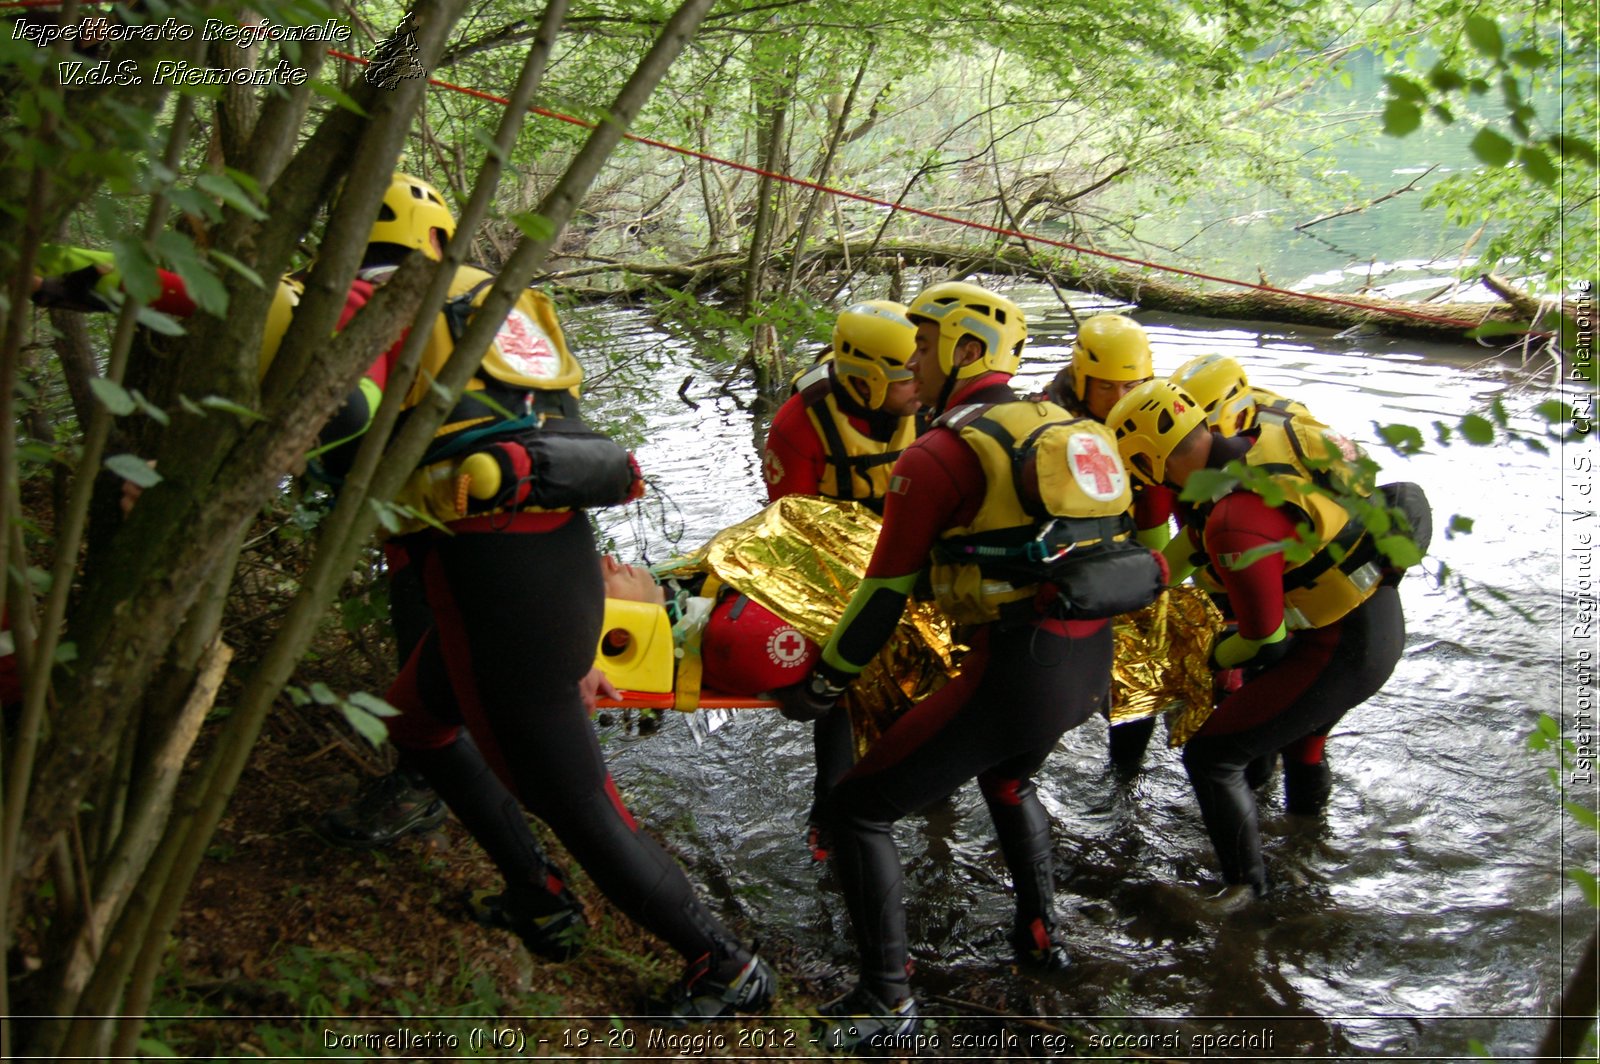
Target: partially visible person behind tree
point(400, 802)
point(1314, 638)
point(516, 594)
point(838, 436)
point(1039, 662)
point(498, 618)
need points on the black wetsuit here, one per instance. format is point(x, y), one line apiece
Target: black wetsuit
point(517, 616)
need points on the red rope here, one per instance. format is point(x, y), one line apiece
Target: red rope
point(934, 215)
point(877, 202)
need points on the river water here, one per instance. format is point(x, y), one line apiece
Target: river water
point(1427, 911)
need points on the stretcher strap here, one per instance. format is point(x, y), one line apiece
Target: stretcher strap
point(686, 681)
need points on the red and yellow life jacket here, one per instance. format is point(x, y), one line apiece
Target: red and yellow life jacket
point(1311, 465)
point(1053, 484)
point(855, 465)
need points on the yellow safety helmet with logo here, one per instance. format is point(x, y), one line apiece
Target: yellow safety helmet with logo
point(1215, 381)
point(1111, 347)
point(961, 310)
point(1150, 422)
point(410, 213)
point(872, 342)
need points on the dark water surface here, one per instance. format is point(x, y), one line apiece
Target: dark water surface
point(1425, 912)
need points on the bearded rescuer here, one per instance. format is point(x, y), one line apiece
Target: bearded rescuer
point(1034, 669)
point(1314, 638)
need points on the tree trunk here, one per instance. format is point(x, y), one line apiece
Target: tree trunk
point(1443, 322)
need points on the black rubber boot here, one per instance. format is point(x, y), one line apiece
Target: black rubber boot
point(1306, 788)
point(1023, 828)
point(1127, 743)
point(1259, 770)
point(1228, 807)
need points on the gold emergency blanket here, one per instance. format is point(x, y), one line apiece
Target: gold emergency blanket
point(1160, 664)
point(802, 558)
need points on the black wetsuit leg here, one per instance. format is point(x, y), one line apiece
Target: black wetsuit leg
point(1019, 690)
point(518, 618)
point(833, 742)
point(1326, 672)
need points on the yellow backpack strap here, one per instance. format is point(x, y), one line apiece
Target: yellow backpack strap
point(686, 686)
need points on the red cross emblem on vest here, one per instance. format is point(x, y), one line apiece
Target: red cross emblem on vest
point(1094, 462)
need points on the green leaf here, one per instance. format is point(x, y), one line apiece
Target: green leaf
point(1401, 117)
point(1538, 165)
point(535, 227)
point(199, 280)
point(137, 269)
point(322, 693)
point(157, 322)
point(113, 396)
point(1490, 329)
point(1401, 439)
point(132, 468)
point(151, 410)
point(1583, 815)
point(152, 1047)
point(1587, 882)
point(373, 704)
point(1531, 58)
point(228, 406)
point(1491, 148)
point(332, 92)
point(386, 516)
point(1458, 524)
point(1207, 484)
point(1403, 88)
point(1575, 147)
point(1476, 430)
point(1484, 33)
point(1400, 551)
point(369, 727)
point(1445, 79)
point(66, 653)
point(229, 192)
point(239, 268)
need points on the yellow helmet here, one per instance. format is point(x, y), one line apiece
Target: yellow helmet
point(411, 211)
point(1150, 422)
point(960, 310)
point(1112, 347)
point(1218, 383)
point(872, 341)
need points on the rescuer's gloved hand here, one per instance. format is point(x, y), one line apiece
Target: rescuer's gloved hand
point(810, 700)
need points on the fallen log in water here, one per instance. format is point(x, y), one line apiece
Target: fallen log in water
point(724, 273)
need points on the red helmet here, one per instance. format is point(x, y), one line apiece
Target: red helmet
point(747, 650)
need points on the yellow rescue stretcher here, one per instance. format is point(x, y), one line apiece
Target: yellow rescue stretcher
point(802, 558)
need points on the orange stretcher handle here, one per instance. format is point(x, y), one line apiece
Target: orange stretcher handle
point(663, 700)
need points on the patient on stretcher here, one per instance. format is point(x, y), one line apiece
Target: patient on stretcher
point(741, 649)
